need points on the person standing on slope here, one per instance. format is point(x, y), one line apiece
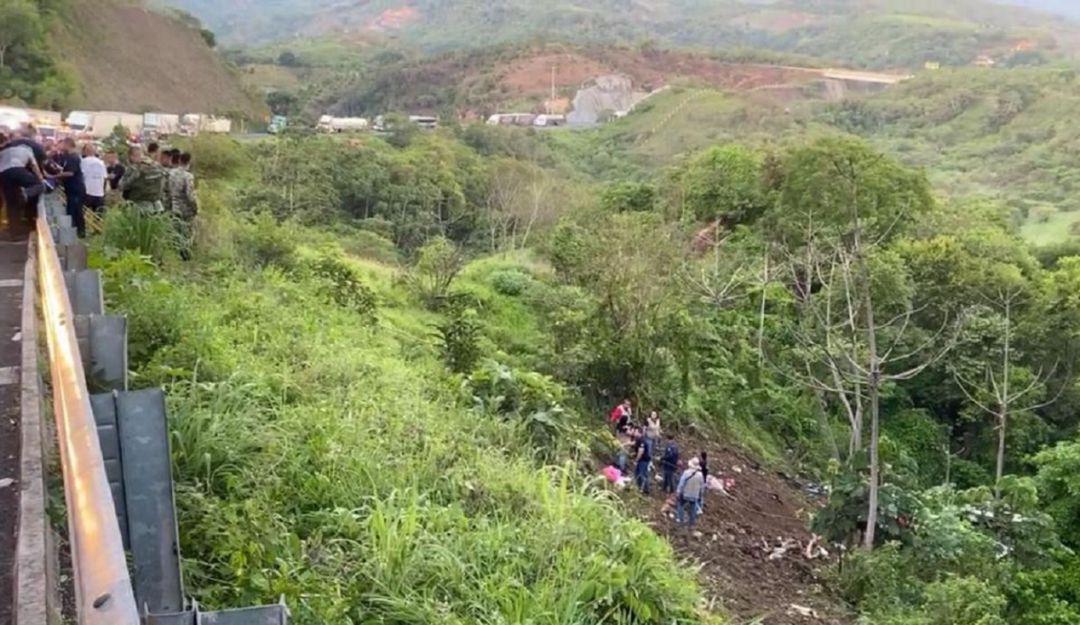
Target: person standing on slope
point(703, 462)
point(669, 464)
point(652, 430)
point(183, 202)
point(689, 492)
point(143, 182)
point(642, 460)
point(620, 416)
point(170, 162)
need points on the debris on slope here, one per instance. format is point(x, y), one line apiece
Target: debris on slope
point(758, 559)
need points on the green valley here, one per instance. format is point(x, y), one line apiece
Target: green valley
point(834, 245)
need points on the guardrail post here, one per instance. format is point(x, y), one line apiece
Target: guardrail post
point(84, 291)
point(108, 350)
point(73, 256)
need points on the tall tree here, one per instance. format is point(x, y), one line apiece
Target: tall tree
point(1008, 389)
point(840, 205)
point(21, 25)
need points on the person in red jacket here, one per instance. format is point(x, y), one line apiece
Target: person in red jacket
point(620, 415)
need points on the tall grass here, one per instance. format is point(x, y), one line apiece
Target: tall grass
point(130, 228)
point(330, 460)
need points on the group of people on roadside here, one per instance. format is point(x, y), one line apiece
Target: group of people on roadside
point(156, 180)
point(638, 444)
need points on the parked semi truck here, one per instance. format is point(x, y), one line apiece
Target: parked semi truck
point(100, 124)
point(161, 124)
point(278, 124)
point(329, 123)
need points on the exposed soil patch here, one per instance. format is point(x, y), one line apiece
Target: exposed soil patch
point(392, 19)
point(736, 539)
point(129, 58)
point(532, 74)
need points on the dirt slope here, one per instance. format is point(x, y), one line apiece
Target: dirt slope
point(128, 58)
point(476, 85)
point(736, 536)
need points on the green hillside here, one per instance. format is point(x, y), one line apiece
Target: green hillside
point(54, 57)
point(995, 133)
point(873, 34)
point(389, 360)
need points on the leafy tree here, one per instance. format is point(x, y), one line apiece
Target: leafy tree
point(288, 58)
point(630, 196)
point(436, 268)
point(519, 199)
point(839, 204)
point(723, 183)
point(282, 103)
point(459, 338)
point(22, 28)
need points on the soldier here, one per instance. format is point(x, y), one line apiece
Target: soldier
point(183, 201)
point(170, 160)
point(144, 182)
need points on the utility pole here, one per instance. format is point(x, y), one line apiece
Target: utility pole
point(551, 102)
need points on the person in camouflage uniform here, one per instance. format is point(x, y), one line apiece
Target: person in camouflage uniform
point(143, 183)
point(170, 161)
point(183, 202)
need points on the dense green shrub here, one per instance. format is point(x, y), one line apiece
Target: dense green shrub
point(459, 337)
point(367, 244)
point(510, 282)
point(263, 243)
point(218, 156)
point(339, 281)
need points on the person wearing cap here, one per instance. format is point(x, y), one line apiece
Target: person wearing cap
point(688, 493)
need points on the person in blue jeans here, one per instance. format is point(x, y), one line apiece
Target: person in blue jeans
point(642, 459)
point(691, 488)
point(669, 463)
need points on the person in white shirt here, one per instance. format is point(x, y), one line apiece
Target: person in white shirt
point(94, 176)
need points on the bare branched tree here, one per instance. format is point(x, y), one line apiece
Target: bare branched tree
point(850, 353)
point(996, 395)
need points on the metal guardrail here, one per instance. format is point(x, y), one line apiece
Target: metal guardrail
point(103, 589)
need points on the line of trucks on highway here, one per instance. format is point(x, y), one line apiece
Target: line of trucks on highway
point(100, 124)
point(332, 124)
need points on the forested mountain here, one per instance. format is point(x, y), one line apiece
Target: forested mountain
point(866, 32)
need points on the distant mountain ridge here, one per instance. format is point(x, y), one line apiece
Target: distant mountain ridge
point(1068, 8)
point(872, 33)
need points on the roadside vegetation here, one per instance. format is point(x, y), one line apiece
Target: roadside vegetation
point(385, 367)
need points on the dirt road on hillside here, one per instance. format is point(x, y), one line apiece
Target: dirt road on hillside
point(736, 543)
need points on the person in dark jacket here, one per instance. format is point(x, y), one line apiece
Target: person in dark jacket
point(642, 460)
point(669, 463)
point(703, 462)
point(74, 187)
point(115, 170)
